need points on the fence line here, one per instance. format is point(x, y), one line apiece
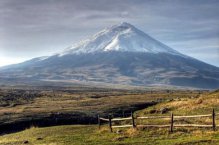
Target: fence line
point(152, 117)
point(193, 116)
point(171, 117)
point(121, 119)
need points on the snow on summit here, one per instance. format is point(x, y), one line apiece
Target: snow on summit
point(122, 37)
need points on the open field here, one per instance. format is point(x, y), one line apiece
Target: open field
point(46, 106)
point(36, 108)
point(90, 134)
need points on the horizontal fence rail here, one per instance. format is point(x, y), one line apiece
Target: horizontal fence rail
point(154, 125)
point(104, 119)
point(121, 119)
point(152, 117)
point(193, 116)
point(171, 125)
point(191, 125)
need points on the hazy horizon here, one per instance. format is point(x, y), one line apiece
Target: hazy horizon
point(30, 29)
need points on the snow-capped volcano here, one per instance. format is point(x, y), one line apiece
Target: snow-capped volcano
point(121, 54)
point(123, 37)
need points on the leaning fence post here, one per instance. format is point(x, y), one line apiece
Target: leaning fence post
point(213, 120)
point(98, 117)
point(110, 123)
point(133, 120)
point(171, 123)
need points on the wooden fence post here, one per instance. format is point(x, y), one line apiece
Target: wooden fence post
point(213, 120)
point(171, 123)
point(110, 123)
point(98, 121)
point(133, 120)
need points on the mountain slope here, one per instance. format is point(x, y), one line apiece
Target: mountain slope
point(123, 37)
point(121, 54)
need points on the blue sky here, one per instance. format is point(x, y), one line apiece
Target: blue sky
point(32, 28)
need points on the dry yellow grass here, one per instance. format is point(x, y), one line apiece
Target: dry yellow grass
point(91, 135)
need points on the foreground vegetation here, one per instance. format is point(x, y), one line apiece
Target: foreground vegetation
point(90, 135)
point(79, 104)
point(178, 102)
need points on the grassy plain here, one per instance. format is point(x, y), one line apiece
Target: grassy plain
point(97, 102)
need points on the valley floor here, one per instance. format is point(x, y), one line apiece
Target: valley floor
point(91, 135)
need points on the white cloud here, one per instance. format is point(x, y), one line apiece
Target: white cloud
point(9, 60)
point(33, 28)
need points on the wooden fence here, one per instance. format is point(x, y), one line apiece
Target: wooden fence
point(171, 125)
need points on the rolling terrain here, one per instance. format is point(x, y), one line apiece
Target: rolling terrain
point(89, 134)
point(22, 107)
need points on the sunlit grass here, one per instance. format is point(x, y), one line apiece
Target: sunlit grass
point(91, 135)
